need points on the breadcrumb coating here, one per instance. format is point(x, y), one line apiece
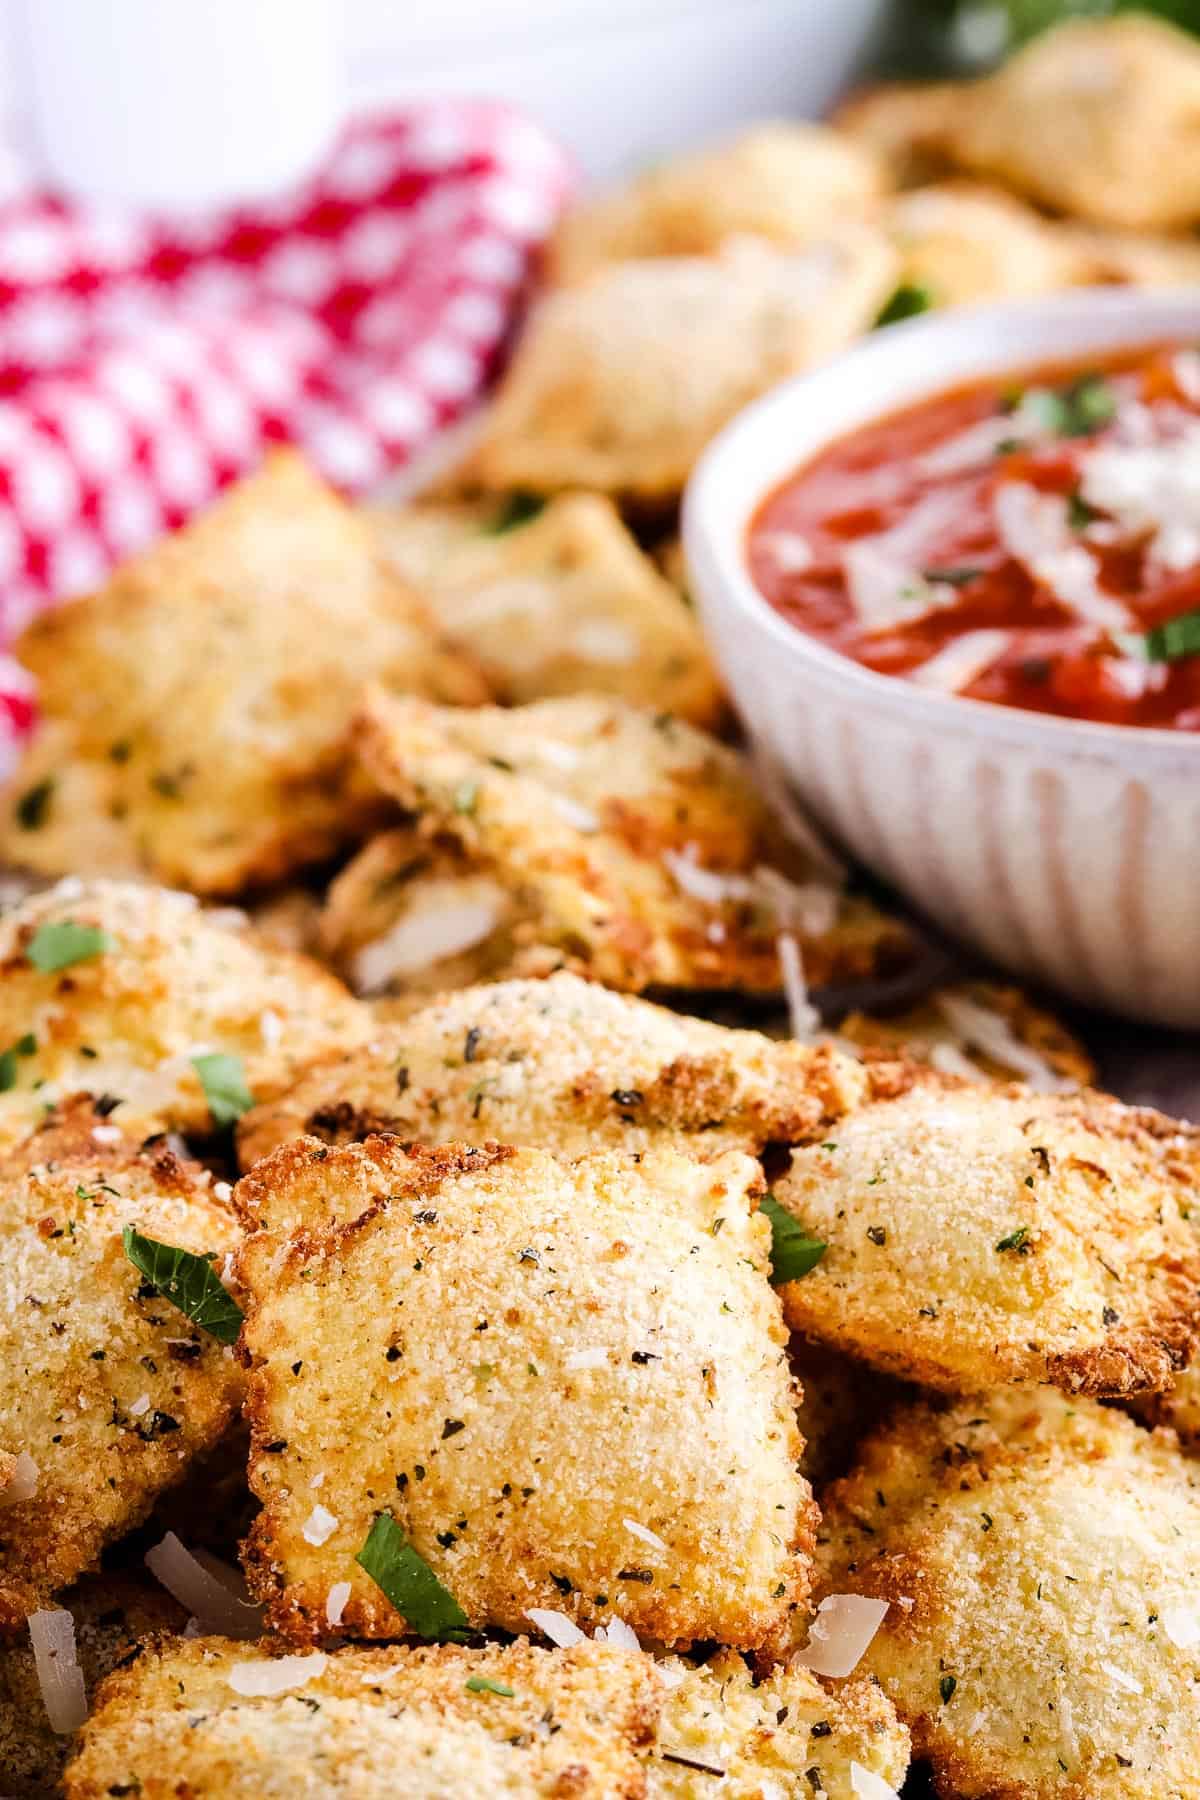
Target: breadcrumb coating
point(530, 1363)
point(978, 1237)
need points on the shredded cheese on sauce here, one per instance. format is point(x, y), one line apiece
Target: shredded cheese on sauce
point(1035, 529)
point(962, 661)
point(1153, 492)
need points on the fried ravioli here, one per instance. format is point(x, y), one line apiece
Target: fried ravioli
point(764, 1738)
point(981, 1237)
point(195, 709)
point(150, 986)
point(979, 1030)
point(443, 1723)
point(566, 1382)
point(907, 123)
point(634, 847)
point(563, 1065)
point(563, 603)
point(618, 384)
point(962, 242)
point(785, 182)
point(110, 1390)
point(112, 1613)
point(1096, 119)
point(1040, 1558)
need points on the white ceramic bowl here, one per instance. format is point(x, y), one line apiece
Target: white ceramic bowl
point(1066, 851)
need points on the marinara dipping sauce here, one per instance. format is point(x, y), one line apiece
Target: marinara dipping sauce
point(1033, 540)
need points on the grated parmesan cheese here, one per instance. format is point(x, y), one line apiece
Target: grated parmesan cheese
point(989, 1032)
point(1182, 1626)
point(278, 1675)
point(790, 552)
point(52, 1634)
point(1152, 490)
point(804, 1017)
point(960, 663)
point(593, 1356)
point(561, 1631)
point(1123, 1679)
point(319, 1526)
point(335, 1602)
point(645, 1534)
point(841, 1633)
point(869, 1786)
point(443, 927)
point(1035, 529)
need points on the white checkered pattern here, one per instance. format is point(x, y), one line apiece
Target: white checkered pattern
point(145, 362)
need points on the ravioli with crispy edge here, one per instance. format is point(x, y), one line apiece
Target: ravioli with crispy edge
point(566, 1381)
point(977, 1237)
point(1096, 119)
point(961, 242)
point(632, 845)
point(563, 603)
point(563, 1065)
point(109, 1388)
point(767, 1737)
point(112, 1614)
point(618, 384)
point(931, 1032)
point(787, 182)
point(1040, 1558)
point(151, 984)
point(195, 709)
point(401, 1723)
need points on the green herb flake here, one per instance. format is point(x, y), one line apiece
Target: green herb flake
point(1079, 514)
point(466, 794)
point(24, 1046)
point(907, 301)
point(1016, 1240)
point(224, 1082)
point(429, 1609)
point(946, 1687)
point(61, 943)
point(793, 1251)
point(1172, 641)
point(483, 1684)
point(957, 576)
point(1076, 410)
point(517, 509)
point(34, 804)
point(188, 1281)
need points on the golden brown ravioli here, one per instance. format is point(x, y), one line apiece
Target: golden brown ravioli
point(1038, 1557)
point(563, 603)
point(108, 1388)
point(979, 1030)
point(151, 988)
point(977, 1237)
point(627, 844)
point(565, 1381)
point(1096, 119)
point(194, 710)
point(907, 123)
point(401, 1723)
point(961, 242)
point(112, 1614)
point(758, 1739)
point(564, 1065)
point(619, 383)
point(786, 182)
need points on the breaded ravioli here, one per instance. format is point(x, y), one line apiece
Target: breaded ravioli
point(541, 1384)
point(961, 242)
point(787, 182)
point(778, 1736)
point(231, 1721)
point(981, 1031)
point(194, 710)
point(107, 1392)
point(136, 996)
point(1096, 119)
point(1040, 1558)
point(629, 844)
point(619, 383)
point(564, 1065)
point(564, 602)
point(976, 1237)
point(907, 123)
point(112, 1614)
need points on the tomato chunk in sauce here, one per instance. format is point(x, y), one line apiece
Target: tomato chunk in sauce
point(1032, 540)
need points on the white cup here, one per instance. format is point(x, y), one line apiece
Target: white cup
point(180, 103)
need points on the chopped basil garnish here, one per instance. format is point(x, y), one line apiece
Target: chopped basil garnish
point(517, 509)
point(61, 943)
point(483, 1684)
point(1016, 1240)
point(465, 796)
point(34, 804)
point(909, 299)
point(1079, 513)
point(1076, 410)
point(189, 1282)
point(224, 1082)
point(24, 1046)
point(1171, 641)
point(429, 1609)
point(793, 1252)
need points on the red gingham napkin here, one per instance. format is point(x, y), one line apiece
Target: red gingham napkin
point(146, 361)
